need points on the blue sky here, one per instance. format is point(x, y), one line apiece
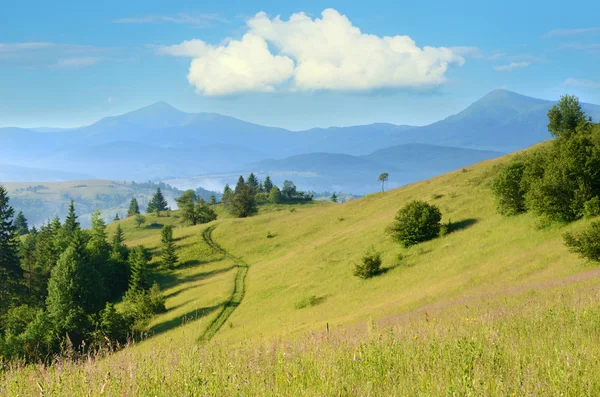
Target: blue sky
point(70, 63)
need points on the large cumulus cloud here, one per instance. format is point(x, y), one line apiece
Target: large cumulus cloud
point(327, 53)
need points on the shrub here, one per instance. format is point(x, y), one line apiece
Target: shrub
point(507, 187)
point(309, 301)
point(585, 243)
point(271, 235)
point(416, 222)
point(591, 208)
point(370, 265)
point(140, 305)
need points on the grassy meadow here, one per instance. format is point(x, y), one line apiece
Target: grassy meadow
point(497, 307)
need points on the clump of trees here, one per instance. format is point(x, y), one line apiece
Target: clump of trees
point(416, 222)
point(59, 282)
point(243, 200)
point(586, 243)
point(559, 182)
point(194, 209)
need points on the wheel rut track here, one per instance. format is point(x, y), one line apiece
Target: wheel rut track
point(239, 288)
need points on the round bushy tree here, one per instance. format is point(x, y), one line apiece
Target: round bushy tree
point(416, 222)
point(508, 189)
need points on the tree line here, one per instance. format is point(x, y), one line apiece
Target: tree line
point(60, 283)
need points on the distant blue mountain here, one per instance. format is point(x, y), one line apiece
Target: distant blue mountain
point(159, 140)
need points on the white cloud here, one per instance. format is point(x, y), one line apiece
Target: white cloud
point(326, 53)
point(14, 47)
point(476, 53)
point(75, 63)
point(571, 32)
point(581, 83)
point(512, 66)
point(181, 18)
point(189, 48)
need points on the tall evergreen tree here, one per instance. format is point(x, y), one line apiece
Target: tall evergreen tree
point(157, 204)
point(168, 254)
point(118, 239)
point(71, 225)
point(134, 208)
point(252, 182)
point(75, 290)
point(213, 199)
point(117, 218)
point(11, 273)
point(267, 185)
point(138, 262)
point(21, 224)
point(334, 198)
point(240, 184)
point(227, 197)
point(117, 264)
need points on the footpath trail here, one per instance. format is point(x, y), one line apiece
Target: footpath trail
point(239, 288)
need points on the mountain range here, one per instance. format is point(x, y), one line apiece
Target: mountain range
point(161, 142)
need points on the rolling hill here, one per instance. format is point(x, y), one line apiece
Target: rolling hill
point(452, 315)
point(190, 144)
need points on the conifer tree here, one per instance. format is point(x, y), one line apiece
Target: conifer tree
point(213, 199)
point(157, 204)
point(21, 224)
point(71, 225)
point(168, 254)
point(118, 239)
point(138, 261)
point(74, 291)
point(134, 208)
point(243, 203)
point(240, 184)
point(227, 196)
point(117, 218)
point(334, 198)
point(11, 273)
point(252, 182)
point(267, 185)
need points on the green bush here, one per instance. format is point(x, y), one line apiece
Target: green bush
point(591, 208)
point(140, 305)
point(416, 222)
point(586, 243)
point(508, 190)
point(370, 265)
point(309, 301)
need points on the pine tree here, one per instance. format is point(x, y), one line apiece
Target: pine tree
point(138, 261)
point(253, 182)
point(75, 290)
point(267, 185)
point(117, 218)
point(11, 273)
point(134, 208)
point(21, 224)
point(118, 239)
point(157, 204)
point(71, 225)
point(169, 257)
point(334, 198)
point(117, 264)
point(227, 196)
point(240, 184)
point(213, 199)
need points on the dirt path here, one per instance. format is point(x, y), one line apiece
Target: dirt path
point(239, 288)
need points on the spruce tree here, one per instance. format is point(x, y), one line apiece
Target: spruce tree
point(157, 204)
point(334, 198)
point(75, 290)
point(117, 218)
point(213, 199)
point(240, 184)
point(11, 273)
point(253, 182)
point(21, 224)
point(134, 208)
point(227, 197)
point(168, 254)
point(267, 185)
point(71, 225)
point(118, 239)
point(138, 262)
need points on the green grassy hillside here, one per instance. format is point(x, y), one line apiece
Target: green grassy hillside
point(497, 307)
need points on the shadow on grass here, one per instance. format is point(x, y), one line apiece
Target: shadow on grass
point(169, 280)
point(192, 263)
point(460, 225)
point(185, 318)
point(154, 226)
